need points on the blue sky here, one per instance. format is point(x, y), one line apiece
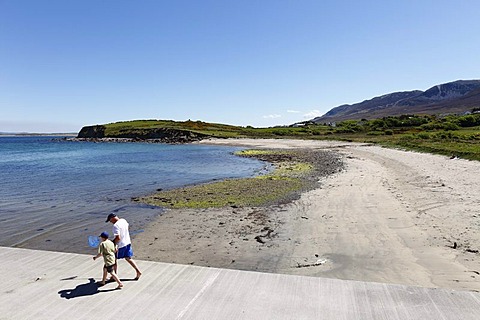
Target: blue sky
point(67, 63)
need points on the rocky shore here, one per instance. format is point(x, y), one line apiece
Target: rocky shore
point(98, 133)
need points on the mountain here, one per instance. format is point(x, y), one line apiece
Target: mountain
point(453, 97)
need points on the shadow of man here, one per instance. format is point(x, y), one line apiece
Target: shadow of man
point(86, 289)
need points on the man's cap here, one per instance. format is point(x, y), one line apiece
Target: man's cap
point(104, 235)
point(110, 216)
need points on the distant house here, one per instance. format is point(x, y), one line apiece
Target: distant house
point(297, 125)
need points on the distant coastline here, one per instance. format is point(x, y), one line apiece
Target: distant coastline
point(31, 134)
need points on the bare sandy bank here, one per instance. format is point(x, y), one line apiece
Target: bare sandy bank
point(391, 216)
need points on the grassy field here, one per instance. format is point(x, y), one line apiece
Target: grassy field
point(449, 135)
point(113, 129)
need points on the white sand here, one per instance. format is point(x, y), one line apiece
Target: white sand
point(391, 216)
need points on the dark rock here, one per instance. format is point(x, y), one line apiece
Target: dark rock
point(92, 132)
point(259, 239)
point(154, 135)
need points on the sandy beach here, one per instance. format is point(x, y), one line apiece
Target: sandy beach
point(390, 216)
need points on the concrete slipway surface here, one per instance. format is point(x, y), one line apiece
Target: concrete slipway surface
point(52, 285)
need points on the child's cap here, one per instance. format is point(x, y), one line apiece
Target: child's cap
point(104, 235)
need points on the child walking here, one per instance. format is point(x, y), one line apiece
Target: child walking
point(107, 250)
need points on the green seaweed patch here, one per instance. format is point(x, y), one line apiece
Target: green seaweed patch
point(257, 152)
point(232, 192)
point(290, 163)
point(294, 171)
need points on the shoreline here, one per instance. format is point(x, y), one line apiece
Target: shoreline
point(10, 135)
point(294, 172)
point(391, 216)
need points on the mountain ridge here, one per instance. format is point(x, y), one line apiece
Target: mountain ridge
point(451, 97)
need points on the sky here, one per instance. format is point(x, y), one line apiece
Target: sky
point(65, 64)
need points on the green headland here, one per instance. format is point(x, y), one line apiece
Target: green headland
point(294, 171)
point(451, 135)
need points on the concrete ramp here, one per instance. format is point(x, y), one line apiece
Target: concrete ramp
point(52, 285)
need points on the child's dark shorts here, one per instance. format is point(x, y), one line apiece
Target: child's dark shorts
point(109, 268)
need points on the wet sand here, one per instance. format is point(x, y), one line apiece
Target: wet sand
point(390, 216)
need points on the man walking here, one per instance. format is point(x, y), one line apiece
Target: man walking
point(122, 240)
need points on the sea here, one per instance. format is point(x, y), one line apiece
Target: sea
point(54, 193)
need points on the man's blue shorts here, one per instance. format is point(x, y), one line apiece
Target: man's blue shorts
point(125, 252)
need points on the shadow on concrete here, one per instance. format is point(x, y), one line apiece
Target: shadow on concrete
point(126, 280)
point(82, 290)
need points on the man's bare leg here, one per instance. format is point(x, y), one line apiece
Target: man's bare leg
point(134, 266)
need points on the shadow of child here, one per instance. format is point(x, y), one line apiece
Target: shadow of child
point(85, 289)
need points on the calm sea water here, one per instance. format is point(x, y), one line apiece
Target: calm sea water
point(54, 194)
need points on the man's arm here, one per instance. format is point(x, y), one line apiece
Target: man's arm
point(116, 234)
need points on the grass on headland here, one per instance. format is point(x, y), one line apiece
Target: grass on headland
point(212, 129)
point(451, 135)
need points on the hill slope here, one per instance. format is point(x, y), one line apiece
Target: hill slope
point(453, 97)
point(158, 131)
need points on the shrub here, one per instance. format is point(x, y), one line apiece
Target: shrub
point(423, 135)
point(469, 120)
point(349, 126)
point(450, 126)
point(407, 138)
point(377, 124)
